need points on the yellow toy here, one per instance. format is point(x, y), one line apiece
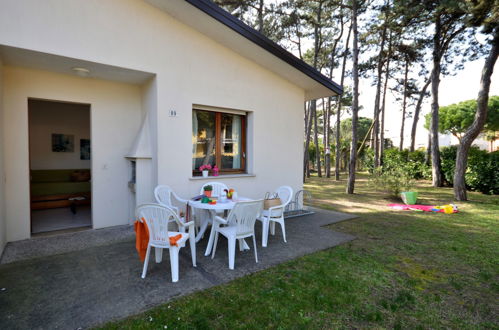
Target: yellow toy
point(447, 209)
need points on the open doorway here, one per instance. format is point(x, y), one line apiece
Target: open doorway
point(60, 166)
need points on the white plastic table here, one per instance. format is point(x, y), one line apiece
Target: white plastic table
point(211, 211)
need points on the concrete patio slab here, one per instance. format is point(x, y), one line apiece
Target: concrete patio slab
point(96, 284)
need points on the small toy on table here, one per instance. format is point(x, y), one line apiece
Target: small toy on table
point(229, 193)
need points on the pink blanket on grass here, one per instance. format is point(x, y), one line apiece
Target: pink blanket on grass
point(426, 208)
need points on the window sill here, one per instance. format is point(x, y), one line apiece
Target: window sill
point(223, 176)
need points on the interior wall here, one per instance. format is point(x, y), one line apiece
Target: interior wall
point(47, 118)
point(115, 121)
point(2, 172)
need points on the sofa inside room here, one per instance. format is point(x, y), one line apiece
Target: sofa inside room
point(60, 188)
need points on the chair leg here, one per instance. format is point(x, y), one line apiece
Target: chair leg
point(192, 243)
point(214, 248)
point(283, 230)
point(265, 231)
point(254, 245)
point(241, 244)
point(159, 254)
point(272, 227)
point(146, 261)
point(174, 262)
point(232, 251)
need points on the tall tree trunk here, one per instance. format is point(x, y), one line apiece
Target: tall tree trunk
point(316, 142)
point(417, 111)
point(375, 132)
point(317, 48)
point(327, 150)
point(404, 105)
point(260, 15)
point(378, 158)
point(327, 135)
point(338, 110)
point(308, 128)
point(480, 118)
point(355, 103)
point(428, 150)
point(437, 177)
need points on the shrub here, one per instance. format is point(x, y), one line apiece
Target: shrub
point(366, 160)
point(413, 163)
point(482, 173)
point(393, 181)
point(448, 162)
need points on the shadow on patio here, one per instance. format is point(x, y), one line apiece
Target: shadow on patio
point(95, 284)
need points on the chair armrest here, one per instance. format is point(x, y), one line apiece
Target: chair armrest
point(187, 224)
point(275, 208)
point(175, 209)
point(221, 220)
point(181, 200)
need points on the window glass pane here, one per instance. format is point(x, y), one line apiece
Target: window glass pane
point(231, 139)
point(203, 138)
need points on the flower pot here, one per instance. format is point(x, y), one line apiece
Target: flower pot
point(205, 173)
point(409, 197)
point(207, 193)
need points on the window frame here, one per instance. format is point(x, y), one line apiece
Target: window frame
point(218, 143)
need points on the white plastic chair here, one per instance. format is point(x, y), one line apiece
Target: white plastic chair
point(157, 218)
point(240, 224)
point(275, 214)
point(218, 188)
point(166, 196)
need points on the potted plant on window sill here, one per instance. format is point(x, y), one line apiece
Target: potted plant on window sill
point(207, 190)
point(205, 170)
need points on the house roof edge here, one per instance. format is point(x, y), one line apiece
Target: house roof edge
point(213, 10)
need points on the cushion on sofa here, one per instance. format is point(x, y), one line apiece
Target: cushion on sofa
point(54, 175)
point(59, 188)
point(59, 182)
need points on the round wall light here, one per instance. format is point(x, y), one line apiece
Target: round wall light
point(82, 72)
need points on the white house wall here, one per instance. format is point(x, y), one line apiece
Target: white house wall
point(190, 68)
point(3, 227)
point(115, 120)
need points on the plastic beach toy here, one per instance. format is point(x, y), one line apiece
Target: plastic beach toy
point(409, 197)
point(447, 209)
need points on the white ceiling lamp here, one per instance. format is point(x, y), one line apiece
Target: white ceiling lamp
point(82, 72)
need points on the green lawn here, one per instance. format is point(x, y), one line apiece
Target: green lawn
point(406, 270)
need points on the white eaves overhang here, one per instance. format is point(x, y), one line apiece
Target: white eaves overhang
point(214, 22)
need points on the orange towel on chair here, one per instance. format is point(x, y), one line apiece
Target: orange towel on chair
point(141, 238)
point(175, 239)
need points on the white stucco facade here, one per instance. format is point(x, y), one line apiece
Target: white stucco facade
point(158, 64)
point(3, 227)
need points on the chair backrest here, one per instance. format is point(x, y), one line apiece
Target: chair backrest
point(285, 194)
point(163, 195)
point(244, 215)
point(157, 217)
point(218, 187)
